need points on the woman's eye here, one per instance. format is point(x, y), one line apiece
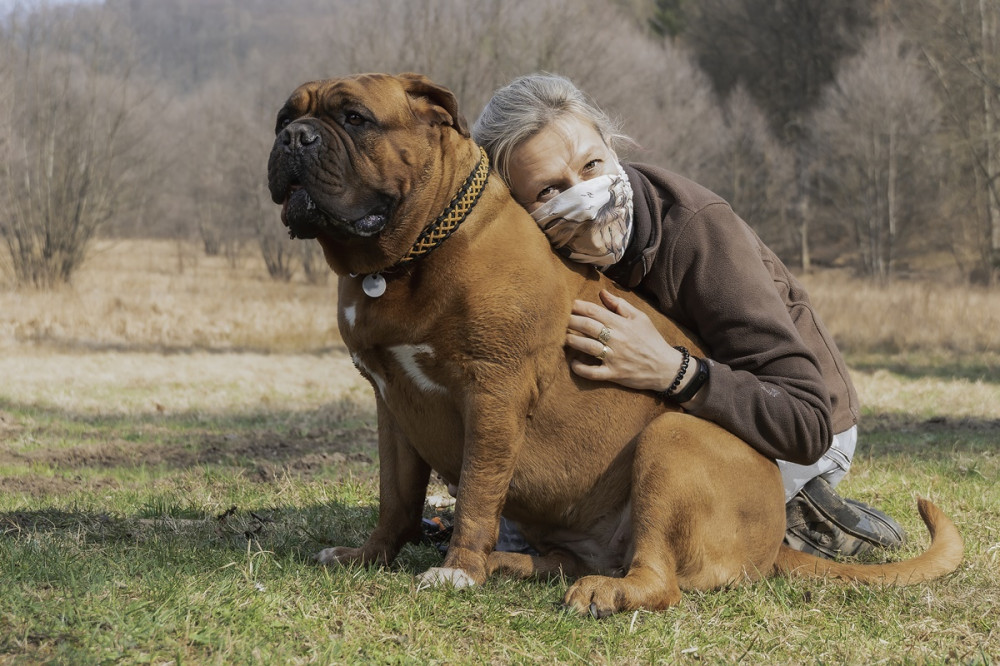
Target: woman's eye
point(591, 165)
point(547, 193)
point(355, 119)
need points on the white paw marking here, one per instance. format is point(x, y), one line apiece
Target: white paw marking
point(327, 556)
point(438, 576)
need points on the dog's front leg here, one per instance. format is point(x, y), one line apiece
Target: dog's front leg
point(493, 436)
point(403, 478)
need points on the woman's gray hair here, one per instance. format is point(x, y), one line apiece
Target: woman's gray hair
point(525, 106)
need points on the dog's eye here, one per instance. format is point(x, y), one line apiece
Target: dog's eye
point(354, 119)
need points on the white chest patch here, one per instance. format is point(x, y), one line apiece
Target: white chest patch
point(350, 315)
point(406, 355)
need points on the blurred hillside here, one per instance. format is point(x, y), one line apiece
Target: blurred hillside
point(849, 133)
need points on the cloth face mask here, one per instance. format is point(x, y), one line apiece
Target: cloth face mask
point(590, 222)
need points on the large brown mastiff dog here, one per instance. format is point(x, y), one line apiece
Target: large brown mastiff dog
point(455, 308)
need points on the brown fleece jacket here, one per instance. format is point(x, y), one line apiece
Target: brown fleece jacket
point(777, 380)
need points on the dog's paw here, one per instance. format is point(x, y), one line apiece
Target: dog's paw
point(601, 596)
point(338, 555)
point(597, 596)
point(438, 576)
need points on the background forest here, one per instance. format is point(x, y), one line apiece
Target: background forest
point(849, 133)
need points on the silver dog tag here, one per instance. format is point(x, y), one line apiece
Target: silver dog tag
point(373, 285)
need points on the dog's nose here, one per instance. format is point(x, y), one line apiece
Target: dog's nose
point(299, 135)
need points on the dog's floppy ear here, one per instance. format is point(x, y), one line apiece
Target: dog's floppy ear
point(436, 102)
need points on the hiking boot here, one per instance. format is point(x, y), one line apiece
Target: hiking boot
point(821, 522)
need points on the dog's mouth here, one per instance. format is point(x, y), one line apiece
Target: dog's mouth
point(305, 219)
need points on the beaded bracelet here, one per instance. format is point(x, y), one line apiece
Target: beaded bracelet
point(668, 394)
point(691, 390)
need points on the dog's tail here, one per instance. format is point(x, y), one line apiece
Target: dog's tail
point(941, 558)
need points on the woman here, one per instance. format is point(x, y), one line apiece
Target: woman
point(773, 375)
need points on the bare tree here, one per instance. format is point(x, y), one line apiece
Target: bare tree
point(314, 267)
point(785, 53)
point(220, 146)
point(244, 209)
point(72, 143)
point(667, 103)
point(873, 130)
point(755, 171)
point(960, 42)
point(669, 107)
point(224, 143)
point(225, 66)
point(275, 248)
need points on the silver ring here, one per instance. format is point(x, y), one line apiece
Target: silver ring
point(604, 335)
point(604, 353)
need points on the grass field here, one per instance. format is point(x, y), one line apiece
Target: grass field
point(178, 436)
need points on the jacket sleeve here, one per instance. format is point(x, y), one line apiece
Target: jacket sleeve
point(764, 386)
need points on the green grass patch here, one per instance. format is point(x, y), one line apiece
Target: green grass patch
point(187, 538)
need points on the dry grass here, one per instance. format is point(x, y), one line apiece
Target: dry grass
point(115, 383)
point(164, 296)
point(155, 325)
point(883, 391)
point(907, 316)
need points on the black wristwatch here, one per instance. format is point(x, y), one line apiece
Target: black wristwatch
point(680, 397)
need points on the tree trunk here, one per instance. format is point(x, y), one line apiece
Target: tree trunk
point(890, 202)
point(988, 49)
point(802, 206)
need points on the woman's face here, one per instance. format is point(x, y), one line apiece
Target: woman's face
point(564, 153)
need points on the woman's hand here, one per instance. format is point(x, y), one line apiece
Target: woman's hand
point(637, 356)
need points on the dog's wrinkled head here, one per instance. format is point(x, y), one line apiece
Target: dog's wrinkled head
point(349, 151)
